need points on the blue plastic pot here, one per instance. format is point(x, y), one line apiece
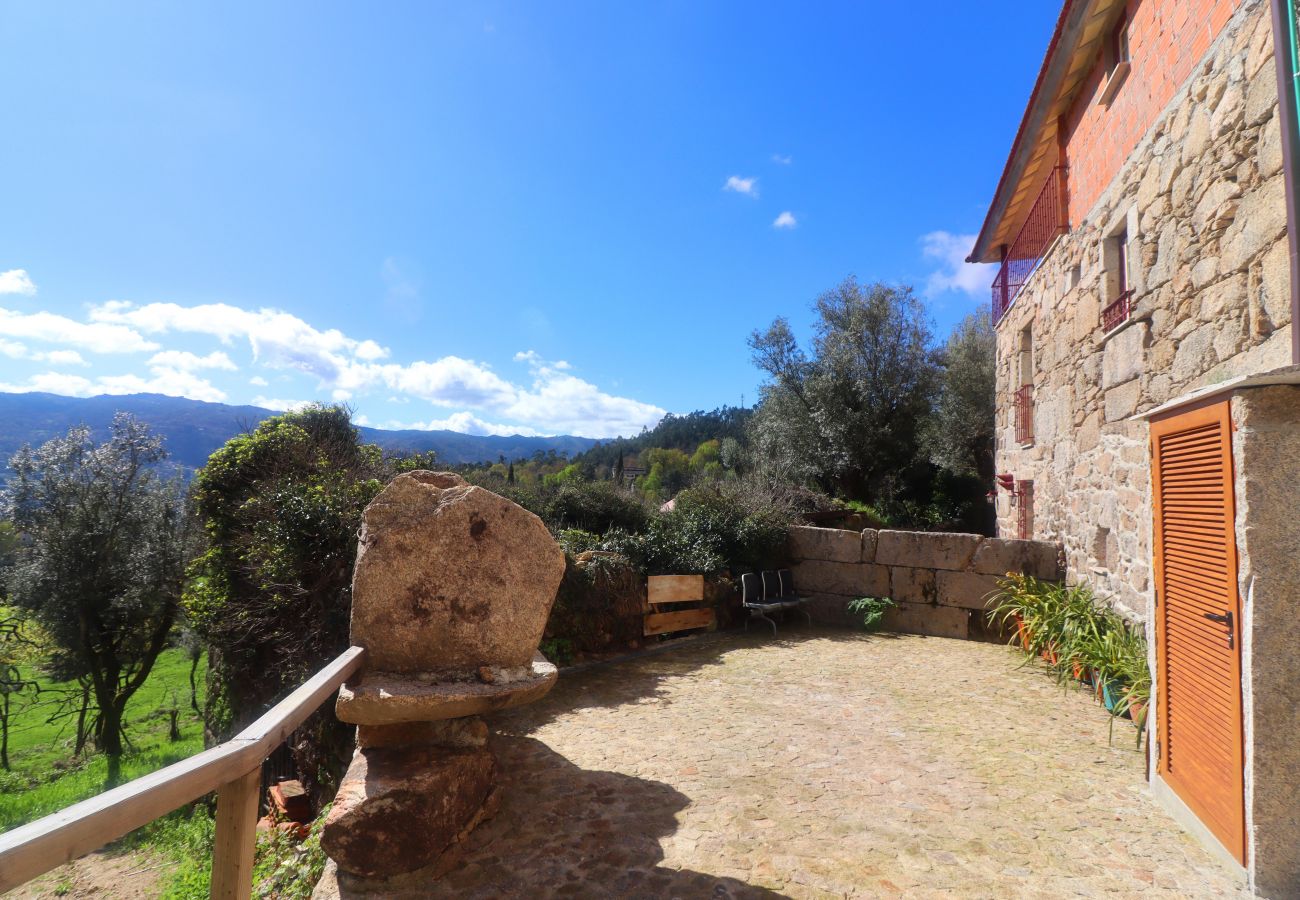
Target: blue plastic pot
point(1111, 692)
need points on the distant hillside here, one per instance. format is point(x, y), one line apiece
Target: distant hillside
point(194, 429)
point(684, 432)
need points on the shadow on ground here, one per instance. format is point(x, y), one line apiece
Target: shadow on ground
point(563, 831)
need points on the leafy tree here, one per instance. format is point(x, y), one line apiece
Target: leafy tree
point(707, 459)
point(669, 472)
point(282, 507)
point(849, 416)
point(685, 433)
point(959, 436)
point(102, 562)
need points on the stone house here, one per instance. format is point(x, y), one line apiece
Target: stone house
point(1147, 370)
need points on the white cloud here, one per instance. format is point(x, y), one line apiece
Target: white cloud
point(949, 251)
point(450, 381)
point(258, 381)
point(172, 382)
point(466, 423)
point(188, 362)
point(563, 403)
point(781, 159)
point(97, 337)
point(279, 405)
point(16, 350)
point(746, 186)
point(785, 220)
point(62, 358)
point(17, 281)
point(555, 401)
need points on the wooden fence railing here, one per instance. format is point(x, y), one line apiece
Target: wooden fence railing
point(232, 769)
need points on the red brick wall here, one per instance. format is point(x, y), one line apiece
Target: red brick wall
point(1167, 38)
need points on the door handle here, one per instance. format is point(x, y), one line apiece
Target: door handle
point(1225, 619)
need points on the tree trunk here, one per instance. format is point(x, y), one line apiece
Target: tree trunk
point(194, 687)
point(110, 741)
point(81, 718)
point(4, 732)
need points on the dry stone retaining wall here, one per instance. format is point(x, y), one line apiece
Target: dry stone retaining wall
point(940, 581)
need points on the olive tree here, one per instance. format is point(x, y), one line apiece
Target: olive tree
point(960, 434)
point(101, 560)
point(849, 415)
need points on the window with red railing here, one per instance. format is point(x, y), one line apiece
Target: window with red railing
point(1025, 510)
point(1024, 406)
point(1120, 307)
point(1048, 219)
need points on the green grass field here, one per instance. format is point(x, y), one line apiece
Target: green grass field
point(45, 776)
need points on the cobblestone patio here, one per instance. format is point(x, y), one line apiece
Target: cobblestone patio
point(825, 764)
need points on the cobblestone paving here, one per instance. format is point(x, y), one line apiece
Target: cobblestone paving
point(826, 764)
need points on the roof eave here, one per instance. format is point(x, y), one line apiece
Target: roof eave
point(1056, 65)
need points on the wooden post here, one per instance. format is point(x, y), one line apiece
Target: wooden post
point(236, 838)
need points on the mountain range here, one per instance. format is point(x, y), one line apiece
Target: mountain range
point(193, 428)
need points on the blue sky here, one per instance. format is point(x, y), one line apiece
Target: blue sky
point(496, 217)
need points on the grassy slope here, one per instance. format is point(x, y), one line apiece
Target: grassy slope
point(46, 777)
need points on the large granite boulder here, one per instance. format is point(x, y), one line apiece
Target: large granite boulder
point(451, 579)
point(399, 808)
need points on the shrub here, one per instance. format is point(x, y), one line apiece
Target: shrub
point(595, 506)
point(599, 605)
point(710, 529)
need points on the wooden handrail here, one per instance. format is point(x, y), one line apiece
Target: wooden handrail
point(33, 849)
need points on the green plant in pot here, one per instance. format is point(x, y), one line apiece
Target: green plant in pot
point(1026, 607)
point(1135, 700)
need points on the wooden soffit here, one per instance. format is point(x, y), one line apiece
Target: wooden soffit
point(1075, 48)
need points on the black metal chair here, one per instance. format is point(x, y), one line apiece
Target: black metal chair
point(753, 597)
point(789, 595)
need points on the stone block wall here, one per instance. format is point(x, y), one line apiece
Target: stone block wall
point(940, 581)
point(1266, 451)
point(1202, 198)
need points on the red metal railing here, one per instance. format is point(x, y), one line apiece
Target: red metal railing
point(1024, 400)
point(1118, 312)
point(1025, 510)
point(1048, 219)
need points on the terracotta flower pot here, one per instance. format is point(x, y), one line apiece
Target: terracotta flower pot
point(1137, 711)
point(1024, 635)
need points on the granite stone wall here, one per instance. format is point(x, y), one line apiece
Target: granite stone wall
point(1202, 199)
point(1266, 450)
point(940, 581)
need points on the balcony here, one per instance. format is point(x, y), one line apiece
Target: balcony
point(1117, 313)
point(1048, 220)
point(1024, 404)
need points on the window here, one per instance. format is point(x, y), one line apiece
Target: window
point(1025, 356)
point(1119, 44)
point(1024, 395)
point(1117, 301)
point(1117, 60)
point(1025, 510)
point(1101, 547)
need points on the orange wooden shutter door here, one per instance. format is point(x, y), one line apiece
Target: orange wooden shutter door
point(1198, 652)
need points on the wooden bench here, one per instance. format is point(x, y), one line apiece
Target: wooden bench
point(676, 603)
